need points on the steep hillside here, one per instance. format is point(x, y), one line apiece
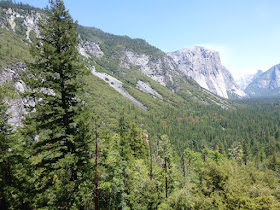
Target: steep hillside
point(126, 74)
point(129, 75)
point(134, 61)
point(266, 85)
point(13, 48)
point(204, 66)
point(120, 55)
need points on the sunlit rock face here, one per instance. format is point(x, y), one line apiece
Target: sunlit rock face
point(161, 69)
point(12, 76)
point(204, 66)
point(15, 20)
point(89, 48)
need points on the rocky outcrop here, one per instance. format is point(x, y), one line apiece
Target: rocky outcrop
point(89, 48)
point(266, 85)
point(21, 21)
point(12, 76)
point(204, 66)
point(145, 87)
point(161, 69)
point(26, 24)
point(118, 86)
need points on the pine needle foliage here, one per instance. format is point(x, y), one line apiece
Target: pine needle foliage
point(59, 152)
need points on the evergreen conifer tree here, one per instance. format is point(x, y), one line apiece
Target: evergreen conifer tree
point(60, 153)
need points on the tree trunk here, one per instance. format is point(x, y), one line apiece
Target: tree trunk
point(96, 172)
point(166, 183)
point(183, 165)
point(151, 163)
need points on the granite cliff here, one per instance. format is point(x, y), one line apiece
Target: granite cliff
point(204, 66)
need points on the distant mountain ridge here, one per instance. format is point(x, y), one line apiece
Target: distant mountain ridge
point(204, 66)
point(265, 85)
point(132, 53)
point(244, 80)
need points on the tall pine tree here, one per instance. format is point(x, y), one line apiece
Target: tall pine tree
point(60, 153)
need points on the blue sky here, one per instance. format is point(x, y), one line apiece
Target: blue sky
point(245, 32)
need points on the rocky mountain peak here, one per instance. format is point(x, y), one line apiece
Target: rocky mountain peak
point(259, 72)
point(204, 66)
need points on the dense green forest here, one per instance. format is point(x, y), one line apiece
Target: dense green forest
point(84, 146)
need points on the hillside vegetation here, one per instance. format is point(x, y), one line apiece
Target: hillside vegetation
point(188, 150)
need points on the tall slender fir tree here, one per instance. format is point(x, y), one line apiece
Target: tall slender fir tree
point(60, 148)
